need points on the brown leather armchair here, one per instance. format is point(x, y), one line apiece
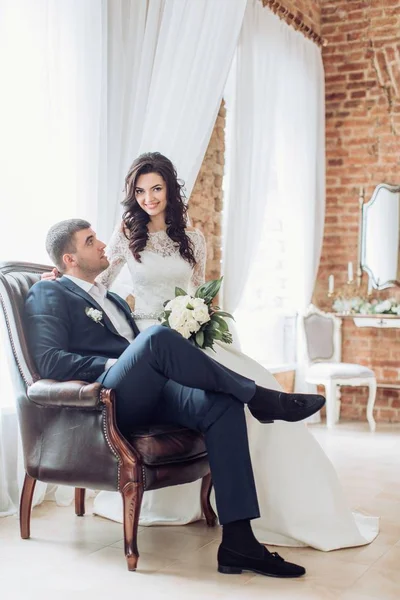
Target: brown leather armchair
point(69, 432)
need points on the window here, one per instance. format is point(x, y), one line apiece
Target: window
point(265, 319)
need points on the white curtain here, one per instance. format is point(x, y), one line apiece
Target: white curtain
point(251, 104)
point(86, 86)
point(166, 93)
point(275, 122)
point(301, 175)
point(52, 164)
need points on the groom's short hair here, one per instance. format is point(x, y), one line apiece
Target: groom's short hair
point(60, 239)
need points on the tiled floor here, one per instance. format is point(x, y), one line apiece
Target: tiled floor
point(71, 557)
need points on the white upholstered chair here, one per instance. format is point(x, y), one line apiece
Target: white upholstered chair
point(324, 343)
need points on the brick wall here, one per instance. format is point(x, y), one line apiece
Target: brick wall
point(205, 206)
point(309, 11)
point(286, 379)
point(362, 66)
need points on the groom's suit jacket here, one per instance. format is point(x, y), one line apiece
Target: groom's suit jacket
point(65, 342)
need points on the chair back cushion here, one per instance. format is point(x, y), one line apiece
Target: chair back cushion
point(16, 279)
point(319, 330)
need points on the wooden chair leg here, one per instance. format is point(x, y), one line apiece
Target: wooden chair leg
point(132, 495)
point(206, 486)
point(25, 506)
point(80, 501)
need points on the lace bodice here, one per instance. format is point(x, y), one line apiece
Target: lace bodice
point(153, 280)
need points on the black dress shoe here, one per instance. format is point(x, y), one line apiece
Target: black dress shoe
point(270, 564)
point(269, 405)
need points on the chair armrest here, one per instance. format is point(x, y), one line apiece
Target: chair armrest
point(66, 394)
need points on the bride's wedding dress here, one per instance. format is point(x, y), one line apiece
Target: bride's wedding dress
point(301, 500)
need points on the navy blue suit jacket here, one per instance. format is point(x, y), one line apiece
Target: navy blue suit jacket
point(65, 342)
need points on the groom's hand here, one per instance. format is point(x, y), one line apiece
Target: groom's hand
point(51, 275)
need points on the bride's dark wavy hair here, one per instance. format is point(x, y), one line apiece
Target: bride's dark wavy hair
point(135, 218)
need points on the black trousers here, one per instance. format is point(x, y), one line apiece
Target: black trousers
point(163, 378)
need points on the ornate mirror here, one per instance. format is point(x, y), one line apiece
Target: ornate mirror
point(380, 236)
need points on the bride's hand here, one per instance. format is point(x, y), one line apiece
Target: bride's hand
point(130, 300)
point(51, 275)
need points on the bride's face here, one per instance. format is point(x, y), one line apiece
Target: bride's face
point(151, 194)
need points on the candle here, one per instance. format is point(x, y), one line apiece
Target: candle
point(331, 284)
point(369, 285)
point(350, 275)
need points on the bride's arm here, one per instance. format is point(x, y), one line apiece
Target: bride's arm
point(116, 254)
point(200, 254)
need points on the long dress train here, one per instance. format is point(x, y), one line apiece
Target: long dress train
point(301, 500)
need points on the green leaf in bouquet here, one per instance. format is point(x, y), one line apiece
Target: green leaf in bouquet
point(227, 337)
point(222, 313)
point(180, 292)
point(213, 325)
point(208, 335)
point(200, 339)
point(209, 290)
point(223, 325)
point(218, 335)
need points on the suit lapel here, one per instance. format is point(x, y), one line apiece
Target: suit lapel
point(126, 310)
point(88, 298)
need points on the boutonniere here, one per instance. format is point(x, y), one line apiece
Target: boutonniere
point(95, 315)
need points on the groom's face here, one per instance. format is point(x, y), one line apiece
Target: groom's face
point(89, 257)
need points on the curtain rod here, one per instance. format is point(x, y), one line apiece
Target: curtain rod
point(294, 21)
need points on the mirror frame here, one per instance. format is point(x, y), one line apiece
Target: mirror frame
point(362, 267)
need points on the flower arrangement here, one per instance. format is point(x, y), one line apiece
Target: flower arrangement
point(195, 318)
point(361, 306)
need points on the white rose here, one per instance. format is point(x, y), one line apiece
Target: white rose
point(200, 313)
point(184, 331)
point(192, 325)
point(177, 303)
point(177, 318)
point(382, 306)
point(197, 302)
point(338, 306)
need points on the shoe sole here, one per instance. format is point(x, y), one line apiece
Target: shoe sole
point(238, 571)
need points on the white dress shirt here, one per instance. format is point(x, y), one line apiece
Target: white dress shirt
point(117, 317)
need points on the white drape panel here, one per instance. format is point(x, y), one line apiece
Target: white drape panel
point(133, 29)
point(251, 122)
point(86, 86)
point(171, 89)
point(275, 111)
point(301, 174)
point(50, 118)
point(52, 59)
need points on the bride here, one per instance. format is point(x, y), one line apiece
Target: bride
point(301, 500)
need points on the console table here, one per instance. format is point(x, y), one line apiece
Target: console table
point(380, 322)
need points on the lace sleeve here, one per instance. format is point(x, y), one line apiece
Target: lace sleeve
point(200, 254)
point(116, 254)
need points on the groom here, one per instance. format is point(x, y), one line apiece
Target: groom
point(78, 330)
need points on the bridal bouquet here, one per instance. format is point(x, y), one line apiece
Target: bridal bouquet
point(195, 318)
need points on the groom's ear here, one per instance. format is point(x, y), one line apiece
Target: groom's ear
point(68, 261)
